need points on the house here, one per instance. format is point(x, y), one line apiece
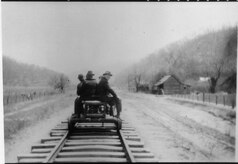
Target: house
point(170, 84)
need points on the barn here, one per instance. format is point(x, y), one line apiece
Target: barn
point(170, 84)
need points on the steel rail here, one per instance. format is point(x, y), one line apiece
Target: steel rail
point(50, 158)
point(57, 148)
point(89, 146)
point(128, 152)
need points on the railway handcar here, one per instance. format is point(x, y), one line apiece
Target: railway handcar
point(96, 115)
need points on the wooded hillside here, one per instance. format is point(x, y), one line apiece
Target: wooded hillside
point(20, 74)
point(212, 55)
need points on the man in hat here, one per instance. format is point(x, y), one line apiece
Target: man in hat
point(89, 88)
point(104, 90)
point(77, 102)
point(86, 90)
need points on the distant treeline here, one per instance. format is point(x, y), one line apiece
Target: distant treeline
point(212, 55)
point(21, 74)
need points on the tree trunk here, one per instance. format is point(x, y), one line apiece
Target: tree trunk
point(137, 87)
point(137, 82)
point(213, 83)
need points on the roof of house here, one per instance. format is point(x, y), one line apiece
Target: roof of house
point(162, 80)
point(165, 78)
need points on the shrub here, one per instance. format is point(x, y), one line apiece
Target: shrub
point(231, 114)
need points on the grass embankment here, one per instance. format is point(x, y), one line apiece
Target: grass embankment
point(30, 113)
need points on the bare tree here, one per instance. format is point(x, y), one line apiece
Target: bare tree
point(230, 52)
point(174, 56)
point(216, 61)
point(215, 74)
point(59, 82)
point(137, 79)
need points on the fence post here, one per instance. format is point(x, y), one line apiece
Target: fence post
point(10, 99)
point(216, 99)
point(203, 96)
point(224, 101)
point(7, 99)
point(233, 100)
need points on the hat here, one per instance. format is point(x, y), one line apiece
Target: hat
point(80, 76)
point(90, 73)
point(107, 73)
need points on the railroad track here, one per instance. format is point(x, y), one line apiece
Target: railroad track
point(89, 144)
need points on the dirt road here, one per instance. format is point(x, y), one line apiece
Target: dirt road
point(172, 131)
point(175, 132)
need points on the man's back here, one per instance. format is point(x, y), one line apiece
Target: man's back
point(79, 88)
point(103, 88)
point(89, 88)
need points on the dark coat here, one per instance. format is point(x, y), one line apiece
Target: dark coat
point(103, 88)
point(79, 88)
point(88, 88)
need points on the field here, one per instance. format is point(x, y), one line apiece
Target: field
point(19, 133)
point(12, 95)
point(22, 114)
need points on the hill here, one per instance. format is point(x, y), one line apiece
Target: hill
point(211, 55)
point(21, 74)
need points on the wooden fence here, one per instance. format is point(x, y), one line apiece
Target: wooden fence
point(12, 98)
point(222, 99)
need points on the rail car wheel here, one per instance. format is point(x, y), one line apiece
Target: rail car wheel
point(119, 124)
point(70, 124)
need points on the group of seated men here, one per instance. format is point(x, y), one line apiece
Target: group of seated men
point(89, 89)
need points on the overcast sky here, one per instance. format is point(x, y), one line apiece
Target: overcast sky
point(73, 37)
